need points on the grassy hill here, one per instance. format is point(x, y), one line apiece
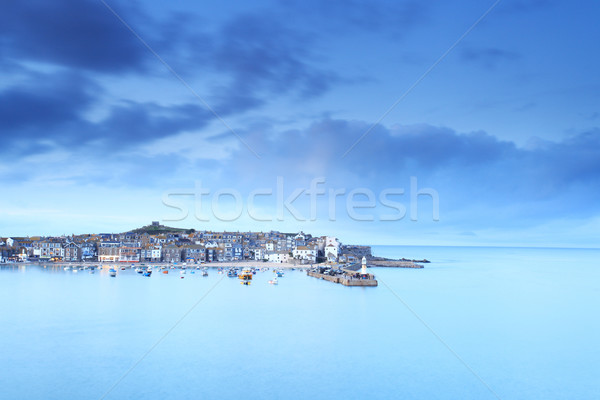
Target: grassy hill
point(154, 229)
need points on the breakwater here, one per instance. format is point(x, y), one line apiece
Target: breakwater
point(346, 280)
point(395, 264)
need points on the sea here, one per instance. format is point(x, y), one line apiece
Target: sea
point(475, 323)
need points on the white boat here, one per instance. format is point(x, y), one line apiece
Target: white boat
point(273, 281)
point(67, 268)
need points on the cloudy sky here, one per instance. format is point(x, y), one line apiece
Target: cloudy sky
point(219, 115)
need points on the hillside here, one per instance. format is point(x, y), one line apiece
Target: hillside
point(154, 229)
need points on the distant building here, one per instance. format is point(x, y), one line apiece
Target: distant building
point(151, 253)
point(108, 251)
point(194, 253)
point(259, 253)
point(88, 250)
point(72, 252)
point(129, 253)
point(237, 252)
point(280, 256)
point(172, 254)
point(307, 254)
point(49, 249)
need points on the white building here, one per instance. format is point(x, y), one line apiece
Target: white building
point(305, 253)
point(331, 252)
point(281, 256)
point(332, 248)
point(260, 253)
point(156, 253)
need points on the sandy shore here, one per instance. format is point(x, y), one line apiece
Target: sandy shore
point(224, 264)
point(254, 264)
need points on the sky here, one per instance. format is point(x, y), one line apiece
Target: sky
point(379, 122)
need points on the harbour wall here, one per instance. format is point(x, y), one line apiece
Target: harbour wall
point(343, 280)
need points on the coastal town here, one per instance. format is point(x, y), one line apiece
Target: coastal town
point(156, 243)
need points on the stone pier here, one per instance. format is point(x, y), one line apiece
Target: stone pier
point(344, 279)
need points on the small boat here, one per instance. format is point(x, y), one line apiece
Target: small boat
point(122, 268)
point(148, 272)
point(245, 276)
point(273, 281)
point(112, 272)
point(279, 274)
point(182, 271)
point(75, 270)
point(67, 268)
point(165, 271)
point(204, 273)
point(139, 270)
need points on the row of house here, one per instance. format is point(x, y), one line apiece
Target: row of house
point(172, 247)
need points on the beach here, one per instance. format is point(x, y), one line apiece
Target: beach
point(216, 264)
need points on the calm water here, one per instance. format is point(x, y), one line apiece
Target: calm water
point(525, 321)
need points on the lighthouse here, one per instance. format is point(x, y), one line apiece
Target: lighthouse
point(363, 269)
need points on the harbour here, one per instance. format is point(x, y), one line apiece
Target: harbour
point(352, 275)
point(84, 331)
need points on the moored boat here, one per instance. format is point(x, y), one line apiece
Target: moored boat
point(245, 277)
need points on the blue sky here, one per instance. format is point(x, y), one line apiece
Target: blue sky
point(97, 131)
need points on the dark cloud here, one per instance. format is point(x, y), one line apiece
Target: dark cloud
point(134, 124)
point(74, 33)
point(263, 57)
point(468, 169)
point(44, 104)
point(253, 59)
point(49, 111)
